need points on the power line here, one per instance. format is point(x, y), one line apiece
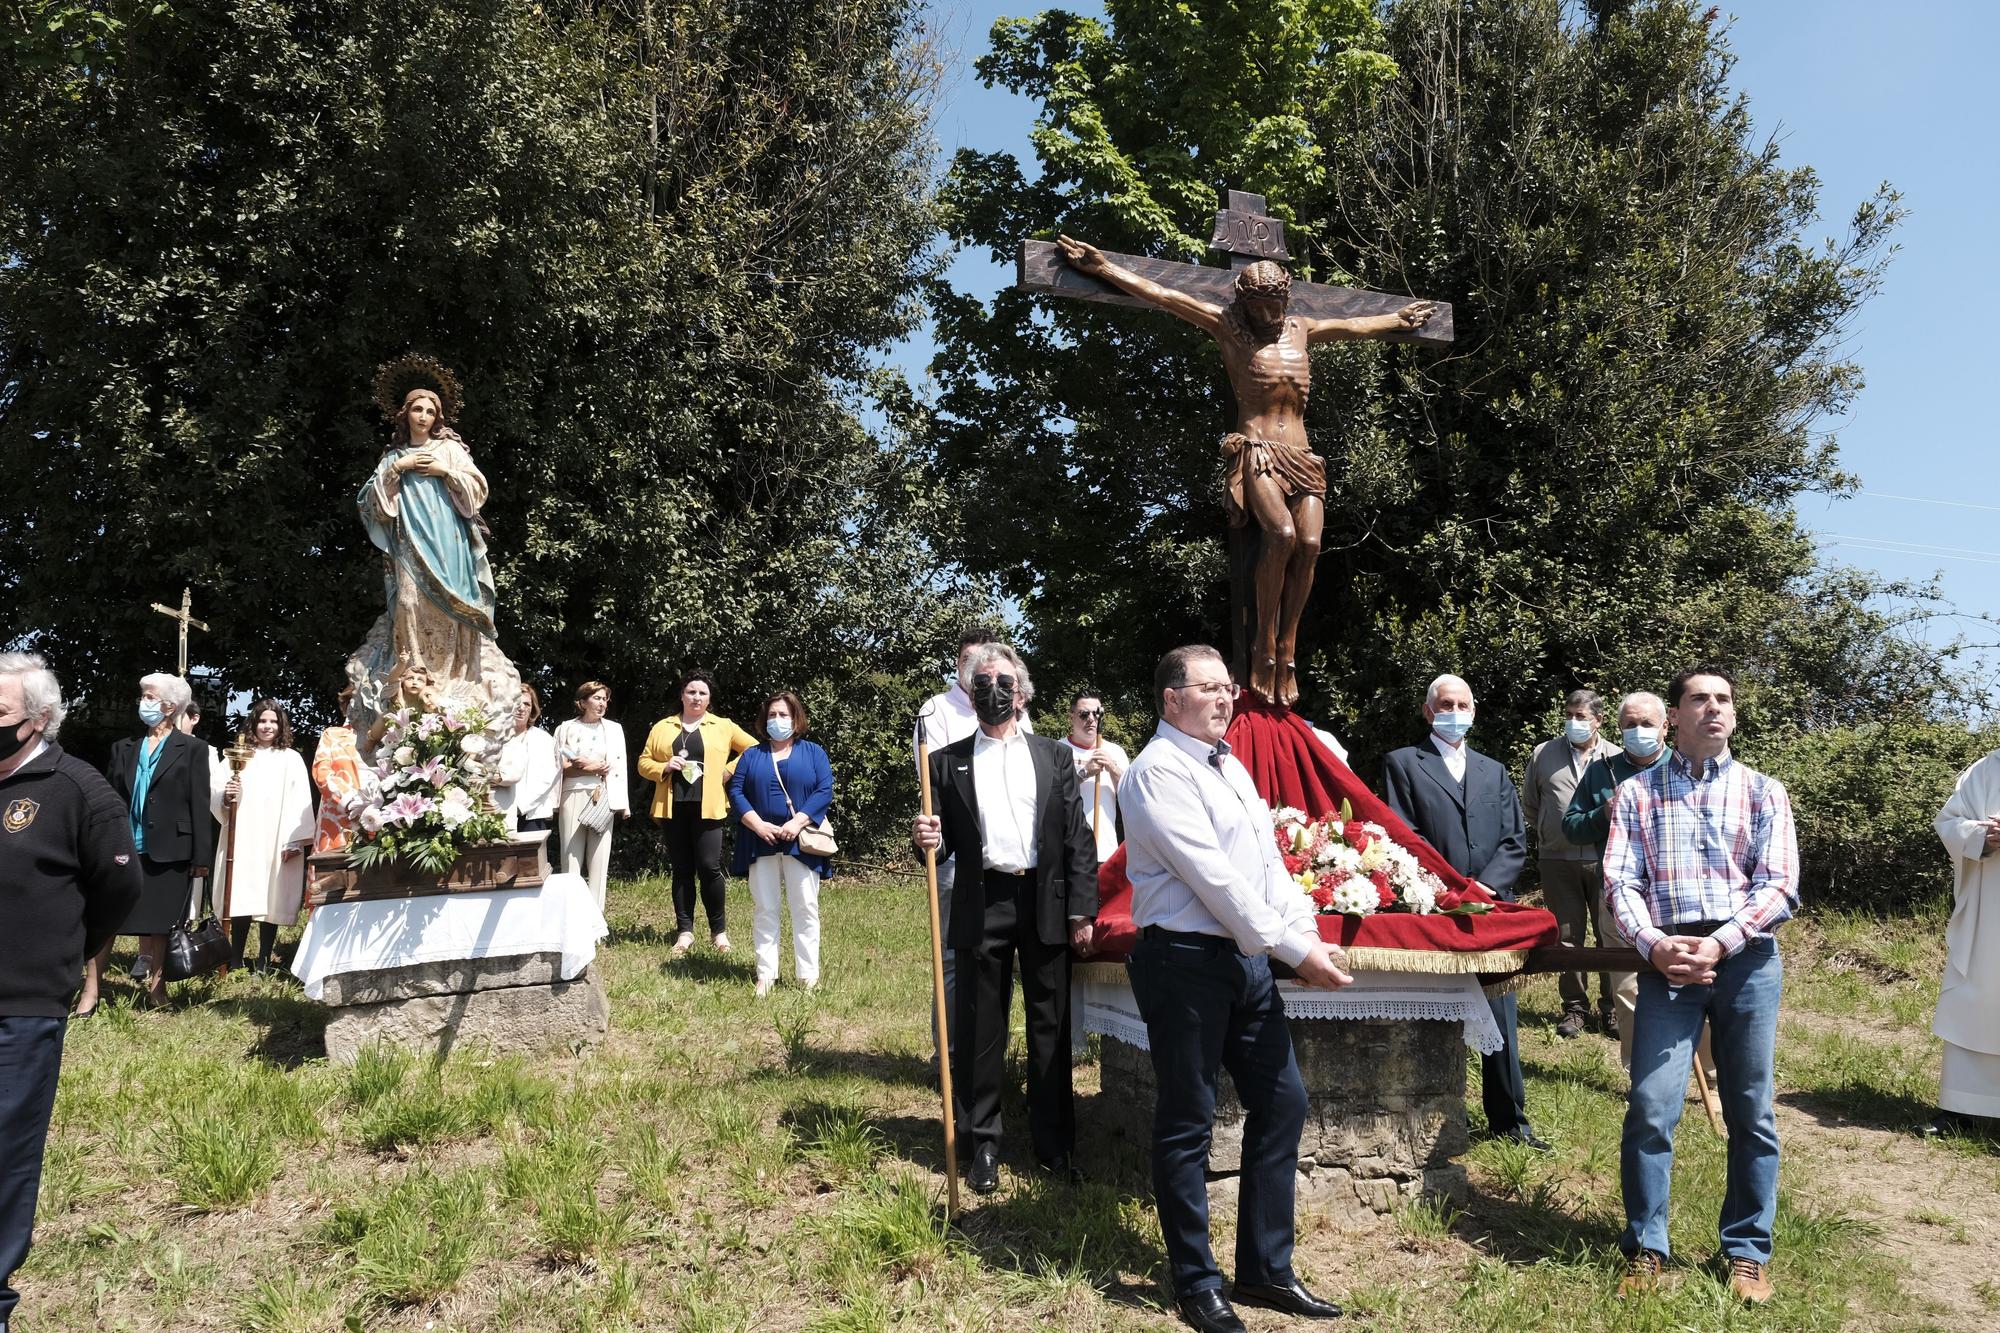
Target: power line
point(1926, 500)
point(1920, 555)
point(1898, 541)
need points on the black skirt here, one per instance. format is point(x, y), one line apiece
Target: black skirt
point(164, 888)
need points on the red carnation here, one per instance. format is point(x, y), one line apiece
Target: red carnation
point(1385, 895)
point(1295, 863)
point(1357, 836)
point(1323, 895)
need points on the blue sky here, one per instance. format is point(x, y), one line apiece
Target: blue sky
point(1863, 93)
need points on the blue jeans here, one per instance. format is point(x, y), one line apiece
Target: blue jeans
point(1208, 1008)
point(1742, 1011)
point(30, 1056)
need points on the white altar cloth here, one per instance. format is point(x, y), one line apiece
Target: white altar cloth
point(561, 916)
point(1103, 996)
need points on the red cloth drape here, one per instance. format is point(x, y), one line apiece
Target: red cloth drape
point(1291, 766)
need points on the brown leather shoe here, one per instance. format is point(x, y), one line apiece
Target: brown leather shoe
point(1749, 1280)
point(1642, 1274)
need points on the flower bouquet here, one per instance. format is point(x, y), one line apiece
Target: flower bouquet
point(1353, 868)
point(429, 800)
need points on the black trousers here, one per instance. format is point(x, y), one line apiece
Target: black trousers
point(694, 847)
point(30, 1056)
point(985, 997)
point(1208, 1008)
point(1502, 1090)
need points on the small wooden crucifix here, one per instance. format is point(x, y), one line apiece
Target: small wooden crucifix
point(1263, 321)
point(184, 616)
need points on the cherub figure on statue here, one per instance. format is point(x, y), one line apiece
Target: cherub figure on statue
point(421, 508)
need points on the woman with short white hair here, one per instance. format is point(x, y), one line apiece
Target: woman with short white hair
point(162, 776)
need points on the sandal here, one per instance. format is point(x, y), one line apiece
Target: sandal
point(721, 941)
point(683, 942)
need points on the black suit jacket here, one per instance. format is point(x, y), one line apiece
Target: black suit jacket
point(1065, 857)
point(1477, 828)
point(179, 827)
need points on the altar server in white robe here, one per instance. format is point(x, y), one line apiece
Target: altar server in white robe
point(274, 830)
point(1968, 1011)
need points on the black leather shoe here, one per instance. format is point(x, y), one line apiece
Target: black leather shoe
point(1208, 1311)
point(1292, 1298)
point(1526, 1134)
point(1063, 1169)
point(984, 1175)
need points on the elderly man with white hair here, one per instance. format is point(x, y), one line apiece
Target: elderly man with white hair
point(1007, 804)
point(1464, 804)
point(71, 875)
point(163, 778)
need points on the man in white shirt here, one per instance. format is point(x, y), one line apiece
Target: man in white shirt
point(1006, 801)
point(1099, 765)
point(944, 719)
point(1213, 905)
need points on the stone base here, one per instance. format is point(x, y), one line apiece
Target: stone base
point(1386, 1114)
point(498, 1004)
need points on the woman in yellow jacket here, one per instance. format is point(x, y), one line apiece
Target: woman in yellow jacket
point(689, 758)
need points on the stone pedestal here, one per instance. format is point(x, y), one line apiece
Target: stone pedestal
point(516, 1003)
point(1386, 1117)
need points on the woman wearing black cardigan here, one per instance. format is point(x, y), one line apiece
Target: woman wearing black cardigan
point(162, 776)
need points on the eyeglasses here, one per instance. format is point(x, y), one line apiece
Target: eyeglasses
point(1211, 689)
point(996, 682)
point(1089, 714)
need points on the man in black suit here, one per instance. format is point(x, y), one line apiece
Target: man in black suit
point(1465, 805)
point(1007, 802)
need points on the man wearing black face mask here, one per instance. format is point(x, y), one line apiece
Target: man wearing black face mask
point(70, 876)
point(1007, 805)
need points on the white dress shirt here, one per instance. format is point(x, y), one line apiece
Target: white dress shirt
point(1454, 757)
point(1202, 855)
point(949, 717)
point(1003, 783)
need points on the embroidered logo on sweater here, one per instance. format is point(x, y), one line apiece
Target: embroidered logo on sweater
point(20, 814)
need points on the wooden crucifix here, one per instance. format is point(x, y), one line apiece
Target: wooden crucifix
point(186, 617)
point(1275, 495)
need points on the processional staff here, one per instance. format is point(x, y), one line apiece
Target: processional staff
point(937, 983)
point(185, 616)
point(238, 754)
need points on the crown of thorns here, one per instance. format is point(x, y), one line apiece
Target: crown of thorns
point(395, 379)
point(1264, 278)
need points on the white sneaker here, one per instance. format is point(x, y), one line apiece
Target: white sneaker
point(721, 941)
point(764, 987)
point(683, 942)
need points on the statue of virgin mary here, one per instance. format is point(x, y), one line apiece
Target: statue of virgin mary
point(421, 508)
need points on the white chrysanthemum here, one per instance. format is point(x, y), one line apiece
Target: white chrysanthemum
point(1346, 859)
point(1287, 815)
point(1355, 897)
point(1420, 895)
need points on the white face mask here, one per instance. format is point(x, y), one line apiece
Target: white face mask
point(1581, 731)
point(1642, 742)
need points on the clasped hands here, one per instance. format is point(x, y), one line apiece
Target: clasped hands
point(773, 834)
point(1687, 960)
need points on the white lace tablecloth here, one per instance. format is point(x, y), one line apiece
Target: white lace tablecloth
point(1103, 996)
point(561, 916)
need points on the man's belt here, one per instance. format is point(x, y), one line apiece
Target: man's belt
point(1696, 927)
point(994, 872)
point(1186, 937)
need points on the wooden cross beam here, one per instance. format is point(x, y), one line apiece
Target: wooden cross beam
point(1243, 233)
point(185, 617)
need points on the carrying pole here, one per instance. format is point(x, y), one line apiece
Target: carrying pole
point(937, 999)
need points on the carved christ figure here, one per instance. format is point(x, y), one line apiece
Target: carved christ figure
point(1275, 479)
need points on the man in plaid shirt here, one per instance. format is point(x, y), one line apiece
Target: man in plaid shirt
point(1701, 867)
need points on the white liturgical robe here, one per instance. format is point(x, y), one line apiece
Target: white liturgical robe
point(275, 812)
point(1968, 1011)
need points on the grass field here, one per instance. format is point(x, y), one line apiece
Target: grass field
point(723, 1163)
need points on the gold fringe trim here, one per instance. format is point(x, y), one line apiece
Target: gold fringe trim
point(1438, 962)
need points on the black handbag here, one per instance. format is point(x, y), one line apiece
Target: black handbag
point(196, 948)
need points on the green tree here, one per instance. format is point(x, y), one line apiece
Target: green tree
point(660, 243)
point(1594, 486)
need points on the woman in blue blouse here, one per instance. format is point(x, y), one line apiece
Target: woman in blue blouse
point(781, 786)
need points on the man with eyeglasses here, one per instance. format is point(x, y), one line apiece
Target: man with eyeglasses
point(1099, 765)
point(1214, 905)
point(1006, 803)
point(1701, 867)
point(943, 719)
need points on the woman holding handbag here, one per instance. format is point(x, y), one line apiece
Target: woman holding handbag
point(592, 750)
point(162, 776)
point(781, 792)
point(689, 758)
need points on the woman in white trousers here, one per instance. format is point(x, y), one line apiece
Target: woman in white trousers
point(592, 750)
point(780, 787)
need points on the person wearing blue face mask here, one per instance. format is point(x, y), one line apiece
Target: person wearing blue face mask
point(781, 787)
point(1572, 877)
point(1464, 804)
point(163, 778)
point(1642, 726)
